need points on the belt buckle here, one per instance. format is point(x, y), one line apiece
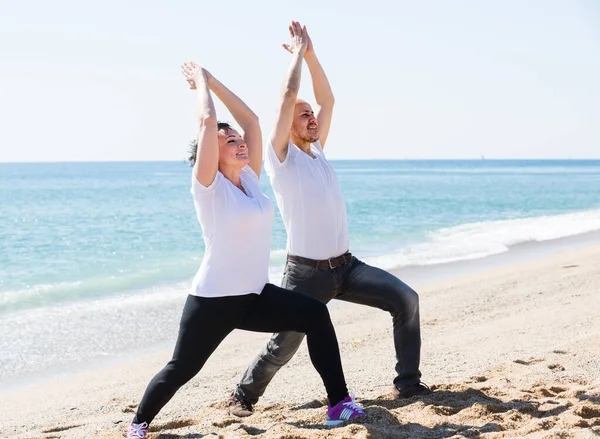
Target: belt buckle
point(330, 264)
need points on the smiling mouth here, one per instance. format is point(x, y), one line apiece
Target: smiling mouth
point(312, 127)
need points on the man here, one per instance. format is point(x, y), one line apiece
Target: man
point(313, 210)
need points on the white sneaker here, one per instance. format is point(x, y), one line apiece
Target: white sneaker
point(137, 431)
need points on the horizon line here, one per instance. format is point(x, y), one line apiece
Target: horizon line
point(482, 159)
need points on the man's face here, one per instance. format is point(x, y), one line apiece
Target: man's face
point(305, 125)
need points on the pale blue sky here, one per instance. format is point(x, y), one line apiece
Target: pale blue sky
point(432, 79)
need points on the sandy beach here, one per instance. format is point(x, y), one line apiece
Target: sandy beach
point(511, 351)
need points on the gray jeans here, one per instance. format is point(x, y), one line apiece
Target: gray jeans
point(354, 282)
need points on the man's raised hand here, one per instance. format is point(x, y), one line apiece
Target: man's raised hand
point(300, 40)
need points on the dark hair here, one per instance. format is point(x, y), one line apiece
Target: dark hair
point(194, 143)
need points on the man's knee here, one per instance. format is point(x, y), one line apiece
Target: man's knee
point(412, 298)
point(405, 300)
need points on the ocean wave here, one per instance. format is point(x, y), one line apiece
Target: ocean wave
point(486, 238)
point(167, 276)
point(41, 295)
point(462, 242)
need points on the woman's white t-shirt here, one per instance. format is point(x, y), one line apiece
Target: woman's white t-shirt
point(237, 234)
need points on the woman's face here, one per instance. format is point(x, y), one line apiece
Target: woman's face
point(232, 148)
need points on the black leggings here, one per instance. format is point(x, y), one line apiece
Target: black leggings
point(207, 321)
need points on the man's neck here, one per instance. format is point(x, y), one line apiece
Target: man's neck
point(303, 145)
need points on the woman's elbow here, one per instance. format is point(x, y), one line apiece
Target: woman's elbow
point(207, 120)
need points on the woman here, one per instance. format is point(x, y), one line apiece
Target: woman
point(231, 288)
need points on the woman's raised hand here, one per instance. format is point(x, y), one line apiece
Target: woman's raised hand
point(193, 73)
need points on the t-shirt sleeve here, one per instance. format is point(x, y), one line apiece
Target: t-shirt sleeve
point(199, 189)
point(272, 163)
point(205, 202)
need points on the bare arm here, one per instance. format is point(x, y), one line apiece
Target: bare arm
point(323, 93)
point(207, 157)
point(321, 88)
point(245, 117)
point(289, 92)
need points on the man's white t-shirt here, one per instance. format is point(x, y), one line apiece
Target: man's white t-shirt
point(237, 234)
point(310, 201)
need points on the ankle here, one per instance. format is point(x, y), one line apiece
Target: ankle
point(336, 400)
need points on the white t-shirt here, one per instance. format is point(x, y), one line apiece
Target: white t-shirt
point(237, 234)
point(310, 201)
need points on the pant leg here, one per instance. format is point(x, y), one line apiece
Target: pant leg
point(279, 310)
point(205, 322)
point(280, 349)
point(374, 287)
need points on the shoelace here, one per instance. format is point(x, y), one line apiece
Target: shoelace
point(352, 404)
point(137, 430)
point(421, 383)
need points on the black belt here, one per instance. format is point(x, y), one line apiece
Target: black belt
point(324, 263)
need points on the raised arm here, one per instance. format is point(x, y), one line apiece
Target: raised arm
point(289, 92)
point(246, 119)
point(322, 90)
point(243, 115)
point(207, 157)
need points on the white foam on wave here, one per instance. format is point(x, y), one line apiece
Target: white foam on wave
point(486, 238)
point(111, 288)
point(34, 293)
point(158, 294)
point(74, 332)
point(40, 295)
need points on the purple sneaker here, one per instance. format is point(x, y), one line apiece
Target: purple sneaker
point(343, 411)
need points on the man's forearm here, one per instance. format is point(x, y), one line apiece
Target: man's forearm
point(289, 92)
point(291, 83)
point(321, 87)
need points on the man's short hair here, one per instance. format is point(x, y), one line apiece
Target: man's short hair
point(194, 143)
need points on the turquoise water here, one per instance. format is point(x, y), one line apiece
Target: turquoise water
point(78, 236)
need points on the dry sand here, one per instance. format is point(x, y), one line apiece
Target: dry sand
point(511, 352)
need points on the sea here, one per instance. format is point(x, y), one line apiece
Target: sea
point(96, 259)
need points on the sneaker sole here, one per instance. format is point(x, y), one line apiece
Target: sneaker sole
point(240, 415)
point(332, 423)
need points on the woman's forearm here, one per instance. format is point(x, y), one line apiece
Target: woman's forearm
point(242, 114)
